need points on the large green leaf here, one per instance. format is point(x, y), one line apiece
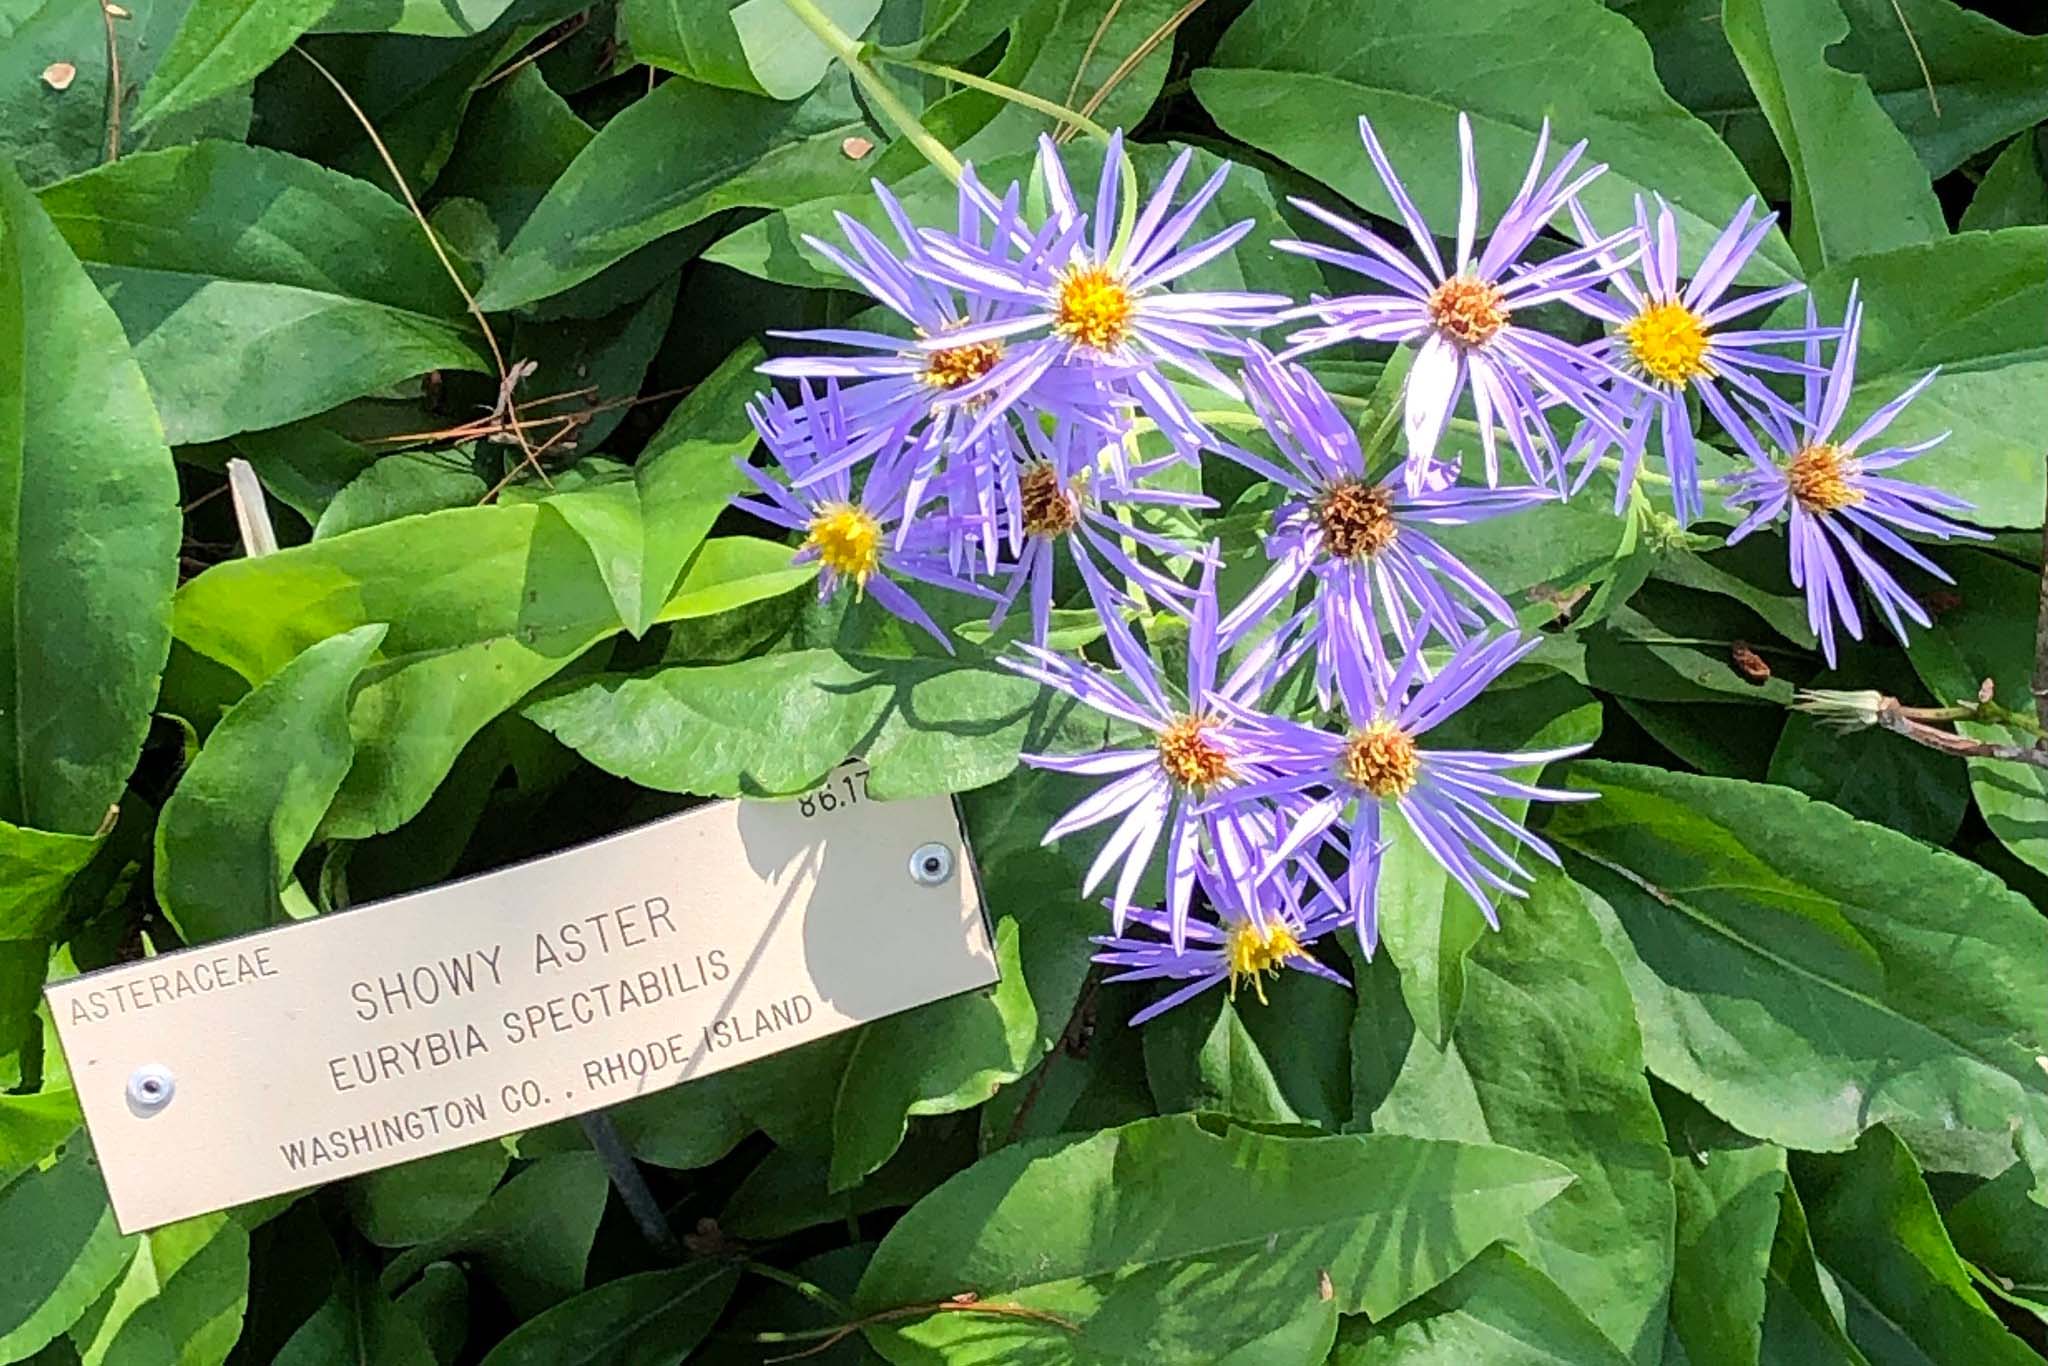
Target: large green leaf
point(1856, 185)
point(1499, 1311)
point(258, 288)
point(1205, 1055)
point(2005, 1235)
point(1987, 634)
point(1170, 1241)
point(89, 533)
point(484, 604)
point(1992, 394)
point(1872, 775)
point(181, 1300)
point(777, 724)
point(418, 1201)
point(232, 832)
point(222, 44)
point(1954, 80)
point(759, 46)
point(1728, 1189)
point(2014, 190)
point(652, 1319)
point(694, 150)
point(1412, 66)
point(1805, 975)
point(49, 135)
point(1802, 1305)
point(357, 1323)
point(1906, 1294)
point(63, 1250)
point(532, 1238)
point(1545, 1039)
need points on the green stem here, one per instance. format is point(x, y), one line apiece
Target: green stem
point(1998, 714)
point(1643, 473)
point(1023, 98)
point(816, 1294)
point(878, 91)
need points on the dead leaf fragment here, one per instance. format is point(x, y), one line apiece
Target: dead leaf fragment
point(856, 148)
point(1748, 662)
point(116, 11)
point(1324, 1289)
point(59, 75)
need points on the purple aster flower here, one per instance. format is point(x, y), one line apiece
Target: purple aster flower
point(1100, 300)
point(1060, 497)
point(1674, 340)
point(1462, 320)
point(844, 532)
point(1834, 497)
point(1247, 942)
point(902, 399)
point(1376, 765)
point(1159, 791)
point(1377, 570)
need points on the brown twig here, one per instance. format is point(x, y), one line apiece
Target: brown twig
point(1069, 1043)
point(507, 379)
point(575, 26)
point(1913, 41)
point(113, 82)
point(1088, 52)
point(2040, 679)
point(1132, 62)
point(967, 1302)
point(1926, 726)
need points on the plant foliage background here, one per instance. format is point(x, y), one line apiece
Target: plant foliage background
point(1756, 1076)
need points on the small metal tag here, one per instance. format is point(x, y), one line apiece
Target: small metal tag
point(298, 1055)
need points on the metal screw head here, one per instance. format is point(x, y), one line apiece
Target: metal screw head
point(150, 1088)
point(931, 864)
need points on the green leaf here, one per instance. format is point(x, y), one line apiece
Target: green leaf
point(1857, 187)
point(423, 18)
point(63, 1250)
point(358, 1323)
point(2004, 1233)
point(258, 288)
point(608, 357)
point(518, 137)
point(1499, 1311)
point(777, 724)
point(1205, 1055)
point(222, 44)
point(532, 1238)
point(89, 531)
point(1805, 975)
point(2013, 192)
point(652, 1319)
point(791, 1191)
point(759, 46)
point(934, 1060)
point(484, 604)
point(419, 1201)
point(1987, 634)
point(1907, 1296)
point(694, 151)
point(1802, 1304)
point(1168, 1241)
point(32, 1127)
point(1544, 1037)
point(1728, 1191)
point(1411, 68)
point(1992, 394)
point(233, 829)
point(402, 485)
point(1987, 81)
point(643, 531)
point(50, 134)
point(35, 868)
point(181, 1299)
point(730, 572)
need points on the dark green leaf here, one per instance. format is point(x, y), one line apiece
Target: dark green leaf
point(245, 810)
point(1805, 975)
point(180, 1300)
point(1728, 1191)
point(2014, 191)
point(652, 1319)
point(88, 535)
point(532, 1237)
point(1168, 1241)
point(63, 1250)
point(258, 288)
point(760, 46)
point(416, 1202)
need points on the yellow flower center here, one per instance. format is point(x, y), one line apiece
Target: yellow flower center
point(1467, 310)
point(1253, 953)
point(1668, 341)
point(1819, 481)
point(1048, 509)
point(1357, 520)
point(1382, 759)
point(955, 366)
point(1189, 756)
point(1092, 307)
point(847, 539)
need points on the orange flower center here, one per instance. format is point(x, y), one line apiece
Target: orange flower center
point(1190, 757)
point(1467, 310)
point(1819, 480)
point(1357, 520)
point(1092, 307)
point(957, 365)
point(1382, 759)
point(1049, 510)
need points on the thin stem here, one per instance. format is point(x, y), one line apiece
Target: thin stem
point(1023, 98)
point(1647, 476)
point(810, 1290)
point(883, 96)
